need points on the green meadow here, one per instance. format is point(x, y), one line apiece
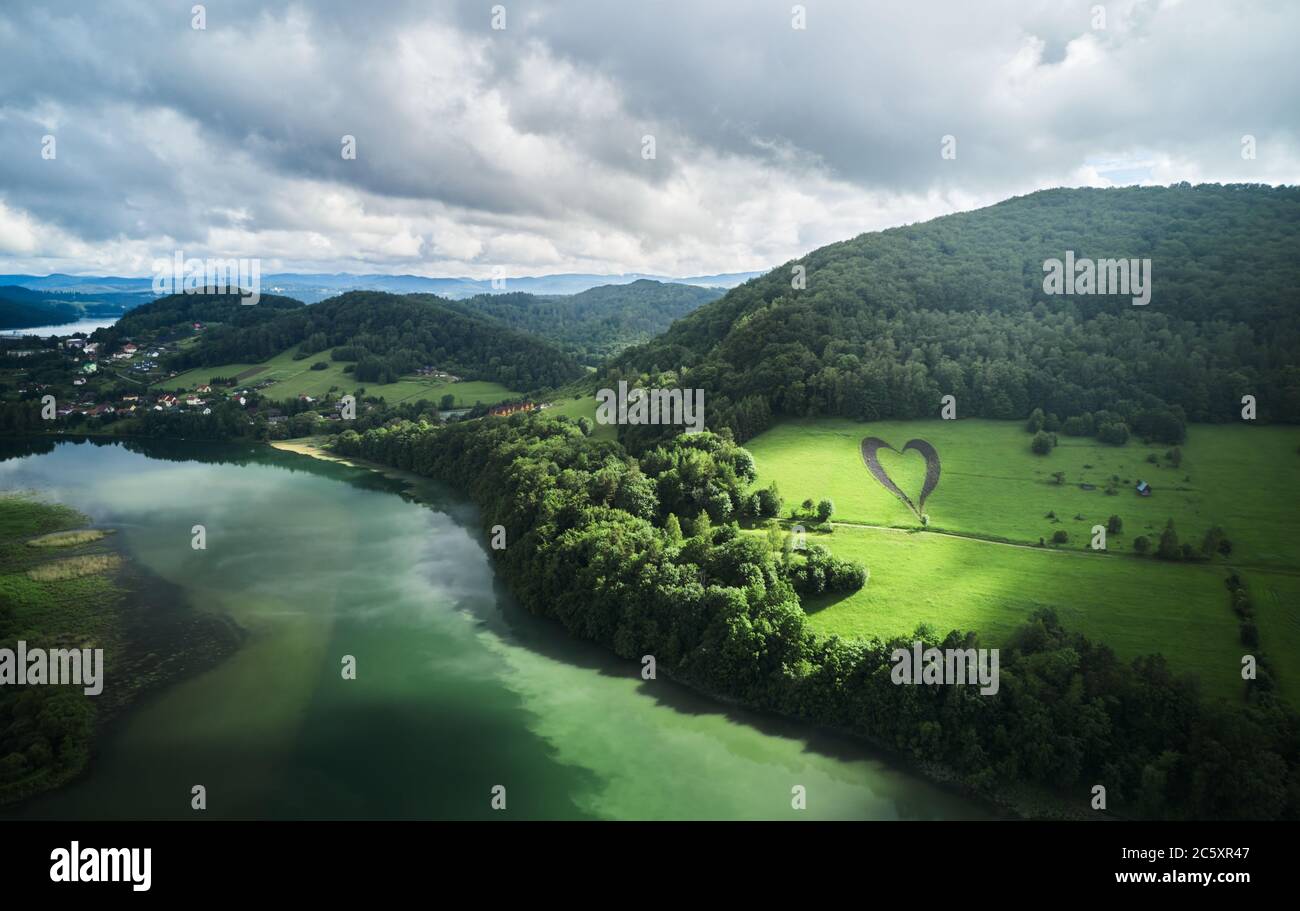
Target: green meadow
point(1276, 596)
point(1135, 606)
point(295, 377)
point(1239, 477)
point(583, 407)
point(980, 567)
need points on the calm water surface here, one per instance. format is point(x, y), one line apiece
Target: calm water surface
point(457, 689)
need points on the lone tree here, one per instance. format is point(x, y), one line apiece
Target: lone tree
point(1213, 540)
point(673, 529)
point(1042, 443)
point(1169, 549)
point(1141, 544)
point(825, 509)
point(769, 501)
point(1114, 525)
point(1060, 536)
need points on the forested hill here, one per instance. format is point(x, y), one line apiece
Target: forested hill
point(175, 310)
point(22, 309)
point(594, 324)
point(387, 335)
point(891, 321)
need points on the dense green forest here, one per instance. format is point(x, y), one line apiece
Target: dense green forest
point(181, 310)
point(386, 335)
point(22, 309)
point(597, 323)
point(644, 556)
point(891, 321)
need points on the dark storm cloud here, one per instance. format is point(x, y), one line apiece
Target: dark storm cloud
point(523, 145)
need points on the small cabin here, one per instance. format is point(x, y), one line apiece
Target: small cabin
point(1143, 489)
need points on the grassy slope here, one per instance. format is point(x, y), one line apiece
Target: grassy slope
point(1276, 597)
point(1134, 606)
point(993, 486)
point(584, 407)
point(294, 378)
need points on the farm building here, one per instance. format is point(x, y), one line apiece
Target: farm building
point(1143, 489)
point(514, 408)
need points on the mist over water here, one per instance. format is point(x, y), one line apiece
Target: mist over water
point(457, 690)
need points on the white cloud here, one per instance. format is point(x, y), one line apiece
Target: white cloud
point(521, 150)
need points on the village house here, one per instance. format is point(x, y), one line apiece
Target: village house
point(513, 408)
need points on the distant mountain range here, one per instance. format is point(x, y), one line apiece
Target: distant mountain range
point(311, 288)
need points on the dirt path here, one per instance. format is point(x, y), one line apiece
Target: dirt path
point(968, 537)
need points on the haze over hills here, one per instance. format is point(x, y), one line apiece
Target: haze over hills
point(311, 288)
point(381, 336)
point(596, 323)
point(891, 321)
point(586, 327)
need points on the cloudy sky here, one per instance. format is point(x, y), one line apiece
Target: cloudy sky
point(524, 148)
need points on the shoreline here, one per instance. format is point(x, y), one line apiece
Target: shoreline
point(1008, 803)
point(156, 639)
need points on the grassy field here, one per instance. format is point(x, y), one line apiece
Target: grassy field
point(1135, 606)
point(51, 597)
point(1239, 477)
point(992, 487)
point(584, 407)
point(1276, 597)
point(294, 378)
